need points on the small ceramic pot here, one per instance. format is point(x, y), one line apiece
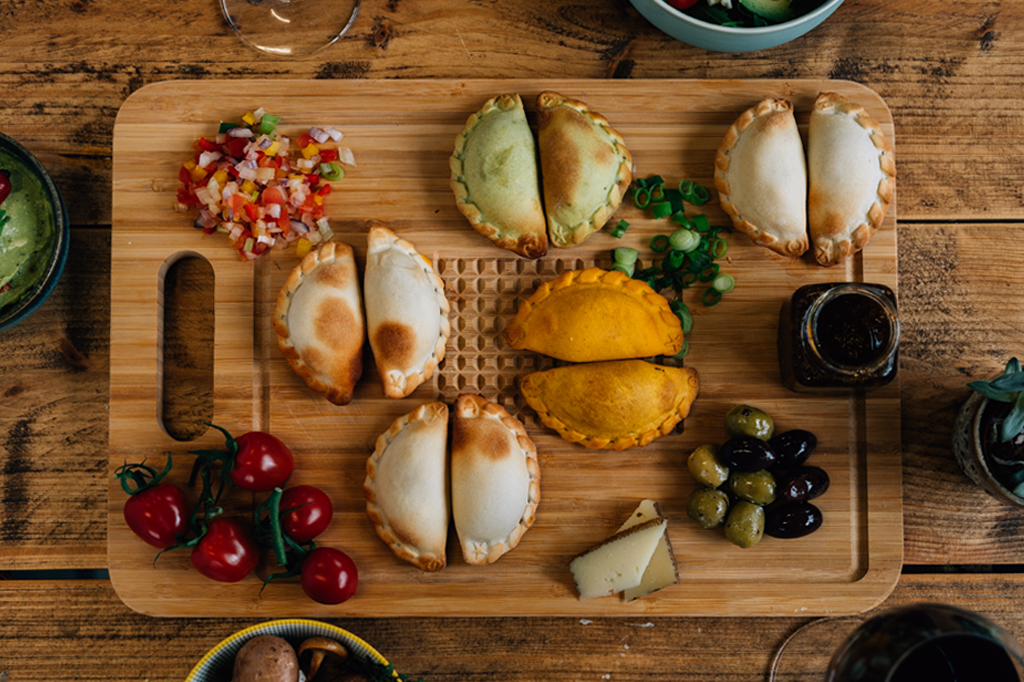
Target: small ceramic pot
point(968, 449)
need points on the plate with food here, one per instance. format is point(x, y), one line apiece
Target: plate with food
point(523, 336)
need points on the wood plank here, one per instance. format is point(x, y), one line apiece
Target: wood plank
point(852, 561)
point(62, 617)
point(952, 80)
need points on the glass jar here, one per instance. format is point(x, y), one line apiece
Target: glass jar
point(839, 336)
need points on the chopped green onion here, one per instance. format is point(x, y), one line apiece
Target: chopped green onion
point(718, 248)
point(249, 243)
point(709, 274)
point(680, 217)
point(268, 123)
point(625, 255)
point(648, 275)
point(619, 230)
point(683, 313)
point(331, 171)
point(655, 180)
point(673, 197)
point(642, 197)
point(673, 261)
point(626, 268)
point(693, 193)
point(657, 192)
point(659, 243)
point(711, 297)
point(687, 278)
point(724, 283)
point(662, 210)
point(701, 224)
point(683, 352)
point(225, 126)
point(684, 240)
point(640, 183)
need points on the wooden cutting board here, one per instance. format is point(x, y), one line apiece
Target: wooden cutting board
point(402, 134)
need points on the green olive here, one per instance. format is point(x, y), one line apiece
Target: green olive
point(757, 487)
point(744, 420)
point(707, 507)
point(745, 525)
point(706, 467)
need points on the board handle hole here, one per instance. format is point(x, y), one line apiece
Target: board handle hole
point(186, 354)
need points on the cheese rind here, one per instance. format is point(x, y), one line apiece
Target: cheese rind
point(619, 562)
point(662, 570)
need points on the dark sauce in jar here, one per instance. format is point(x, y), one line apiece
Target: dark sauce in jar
point(838, 336)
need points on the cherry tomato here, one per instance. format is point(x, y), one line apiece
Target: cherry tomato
point(329, 575)
point(227, 553)
point(158, 514)
point(681, 4)
point(263, 462)
point(311, 513)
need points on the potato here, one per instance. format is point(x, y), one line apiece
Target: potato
point(266, 658)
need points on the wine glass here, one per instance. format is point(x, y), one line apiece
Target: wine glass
point(290, 28)
point(933, 642)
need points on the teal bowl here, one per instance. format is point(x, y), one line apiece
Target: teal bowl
point(48, 271)
point(699, 33)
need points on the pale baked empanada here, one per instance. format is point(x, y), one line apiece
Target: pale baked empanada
point(852, 177)
point(761, 177)
point(495, 479)
point(494, 177)
point(406, 312)
point(594, 314)
point(319, 322)
point(585, 168)
point(406, 486)
point(611, 405)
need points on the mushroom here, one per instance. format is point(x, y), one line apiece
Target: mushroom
point(266, 658)
point(325, 661)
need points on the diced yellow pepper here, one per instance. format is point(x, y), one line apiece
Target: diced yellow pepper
point(249, 118)
point(272, 149)
point(248, 187)
point(221, 177)
point(198, 173)
point(189, 165)
point(302, 247)
point(310, 150)
point(318, 200)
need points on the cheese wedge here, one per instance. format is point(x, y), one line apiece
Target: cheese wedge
point(618, 563)
point(662, 570)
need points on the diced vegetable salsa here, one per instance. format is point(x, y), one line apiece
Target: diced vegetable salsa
point(261, 189)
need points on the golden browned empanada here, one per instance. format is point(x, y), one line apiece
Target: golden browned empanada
point(406, 312)
point(611, 405)
point(494, 177)
point(761, 177)
point(852, 177)
point(406, 486)
point(495, 479)
point(319, 322)
point(594, 314)
point(585, 168)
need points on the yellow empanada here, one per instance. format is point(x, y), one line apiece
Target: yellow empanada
point(593, 314)
point(585, 168)
point(611, 405)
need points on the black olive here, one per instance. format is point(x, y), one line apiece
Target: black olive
point(803, 483)
point(746, 454)
point(792, 448)
point(792, 520)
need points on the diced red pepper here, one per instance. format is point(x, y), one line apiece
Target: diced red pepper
point(304, 140)
point(273, 195)
point(208, 146)
point(253, 211)
point(236, 147)
point(327, 155)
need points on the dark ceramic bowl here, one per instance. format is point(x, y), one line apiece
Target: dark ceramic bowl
point(34, 297)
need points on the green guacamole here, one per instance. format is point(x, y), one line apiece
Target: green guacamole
point(26, 231)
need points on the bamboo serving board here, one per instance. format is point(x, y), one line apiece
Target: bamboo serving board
point(402, 134)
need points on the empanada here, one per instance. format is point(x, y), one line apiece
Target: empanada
point(594, 314)
point(406, 312)
point(319, 322)
point(495, 482)
point(852, 177)
point(611, 405)
point(494, 177)
point(585, 168)
point(761, 177)
point(406, 486)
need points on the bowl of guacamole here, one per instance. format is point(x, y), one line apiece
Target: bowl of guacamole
point(34, 233)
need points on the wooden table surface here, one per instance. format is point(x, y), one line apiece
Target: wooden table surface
point(953, 83)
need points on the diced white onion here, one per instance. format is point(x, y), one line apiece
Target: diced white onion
point(346, 156)
point(239, 131)
point(334, 133)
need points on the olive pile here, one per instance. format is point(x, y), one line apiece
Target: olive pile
point(757, 482)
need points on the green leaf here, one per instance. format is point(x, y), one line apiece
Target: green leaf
point(985, 389)
point(1014, 422)
point(1009, 382)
